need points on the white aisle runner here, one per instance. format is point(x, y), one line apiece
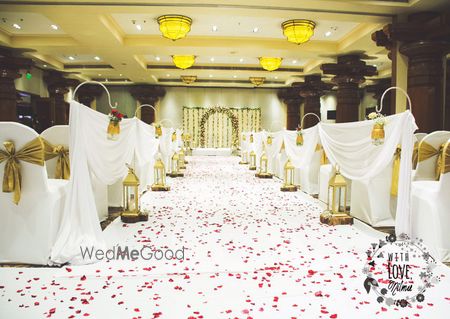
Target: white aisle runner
point(251, 251)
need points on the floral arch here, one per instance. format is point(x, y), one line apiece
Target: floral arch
point(227, 112)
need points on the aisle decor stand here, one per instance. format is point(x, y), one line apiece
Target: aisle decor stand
point(131, 212)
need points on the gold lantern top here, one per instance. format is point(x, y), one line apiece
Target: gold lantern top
point(183, 61)
point(288, 165)
point(174, 136)
point(131, 179)
point(298, 30)
point(174, 27)
point(269, 140)
point(270, 63)
point(337, 180)
point(159, 164)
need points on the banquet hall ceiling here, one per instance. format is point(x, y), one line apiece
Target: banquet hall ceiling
point(99, 39)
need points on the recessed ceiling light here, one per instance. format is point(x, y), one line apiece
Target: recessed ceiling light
point(15, 25)
point(167, 74)
point(328, 33)
point(241, 60)
point(45, 65)
point(71, 58)
point(276, 77)
point(210, 75)
point(106, 80)
point(375, 65)
point(234, 76)
point(212, 59)
point(294, 61)
point(255, 29)
point(139, 27)
point(120, 74)
point(214, 28)
point(97, 58)
point(54, 27)
point(99, 74)
point(158, 58)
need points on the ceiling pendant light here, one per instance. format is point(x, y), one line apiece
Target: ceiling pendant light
point(257, 81)
point(188, 79)
point(298, 31)
point(270, 64)
point(174, 26)
point(183, 61)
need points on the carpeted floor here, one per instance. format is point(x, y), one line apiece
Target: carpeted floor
point(250, 251)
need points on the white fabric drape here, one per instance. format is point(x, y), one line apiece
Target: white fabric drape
point(92, 153)
point(349, 146)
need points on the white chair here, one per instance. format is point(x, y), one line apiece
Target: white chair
point(28, 230)
point(59, 135)
point(431, 212)
point(426, 169)
point(371, 199)
point(307, 177)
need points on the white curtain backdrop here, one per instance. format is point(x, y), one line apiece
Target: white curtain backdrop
point(92, 152)
point(349, 145)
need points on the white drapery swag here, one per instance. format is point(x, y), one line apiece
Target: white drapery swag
point(92, 153)
point(349, 146)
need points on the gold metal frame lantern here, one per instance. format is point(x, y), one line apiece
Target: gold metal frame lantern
point(174, 166)
point(336, 213)
point(244, 158)
point(263, 167)
point(252, 166)
point(181, 159)
point(159, 177)
point(288, 178)
point(131, 208)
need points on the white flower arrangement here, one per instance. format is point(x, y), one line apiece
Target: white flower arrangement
point(377, 118)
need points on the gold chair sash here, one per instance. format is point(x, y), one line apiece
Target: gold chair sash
point(32, 152)
point(415, 155)
point(446, 159)
point(396, 171)
point(426, 151)
point(62, 170)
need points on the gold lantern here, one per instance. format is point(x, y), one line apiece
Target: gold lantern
point(175, 171)
point(158, 130)
point(336, 213)
point(299, 139)
point(159, 184)
point(181, 161)
point(269, 140)
point(288, 181)
point(131, 211)
point(263, 167)
point(244, 159)
point(252, 166)
point(377, 134)
point(174, 26)
point(298, 30)
point(251, 138)
point(174, 136)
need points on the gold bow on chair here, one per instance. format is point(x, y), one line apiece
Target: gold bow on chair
point(426, 151)
point(396, 171)
point(31, 152)
point(62, 170)
point(445, 167)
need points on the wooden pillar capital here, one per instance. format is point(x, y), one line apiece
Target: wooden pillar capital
point(147, 94)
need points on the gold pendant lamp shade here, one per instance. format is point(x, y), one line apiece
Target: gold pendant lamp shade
point(174, 27)
point(188, 79)
point(183, 61)
point(269, 63)
point(256, 81)
point(298, 31)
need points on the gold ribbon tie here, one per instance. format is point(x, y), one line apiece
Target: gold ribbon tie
point(427, 151)
point(32, 152)
point(396, 171)
point(62, 170)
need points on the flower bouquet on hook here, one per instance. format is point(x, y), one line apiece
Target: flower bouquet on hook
point(113, 130)
point(299, 139)
point(378, 127)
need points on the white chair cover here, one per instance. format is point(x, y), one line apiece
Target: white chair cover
point(431, 215)
point(59, 135)
point(28, 230)
point(426, 170)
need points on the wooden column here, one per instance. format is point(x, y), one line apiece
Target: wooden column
point(292, 99)
point(447, 99)
point(425, 40)
point(10, 65)
point(350, 72)
point(147, 94)
point(58, 86)
point(87, 93)
point(311, 90)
